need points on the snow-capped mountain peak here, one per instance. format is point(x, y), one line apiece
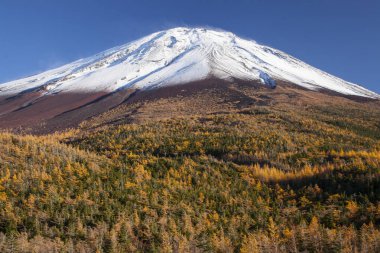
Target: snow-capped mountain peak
point(181, 55)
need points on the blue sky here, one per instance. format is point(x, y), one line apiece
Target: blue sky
point(341, 37)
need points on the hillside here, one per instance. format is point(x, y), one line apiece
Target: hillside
point(259, 179)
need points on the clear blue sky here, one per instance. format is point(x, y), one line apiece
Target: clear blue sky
point(341, 37)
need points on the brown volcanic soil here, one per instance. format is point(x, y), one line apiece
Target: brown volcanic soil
point(32, 113)
point(211, 97)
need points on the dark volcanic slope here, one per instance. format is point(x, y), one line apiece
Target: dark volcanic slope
point(31, 112)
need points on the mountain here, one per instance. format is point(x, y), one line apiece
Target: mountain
point(181, 55)
point(164, 59)
point(189, 140)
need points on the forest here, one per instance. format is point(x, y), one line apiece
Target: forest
point(264, 179)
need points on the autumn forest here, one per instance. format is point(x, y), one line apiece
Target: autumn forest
point(263, 179)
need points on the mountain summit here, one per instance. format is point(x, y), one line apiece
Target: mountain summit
point(178, 56)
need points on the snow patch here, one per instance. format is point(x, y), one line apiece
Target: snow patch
point(266, 79)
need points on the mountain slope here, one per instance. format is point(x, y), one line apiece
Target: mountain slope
point(305, 178)
point(181, 55)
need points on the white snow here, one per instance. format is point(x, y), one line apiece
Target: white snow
point(177, 56)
